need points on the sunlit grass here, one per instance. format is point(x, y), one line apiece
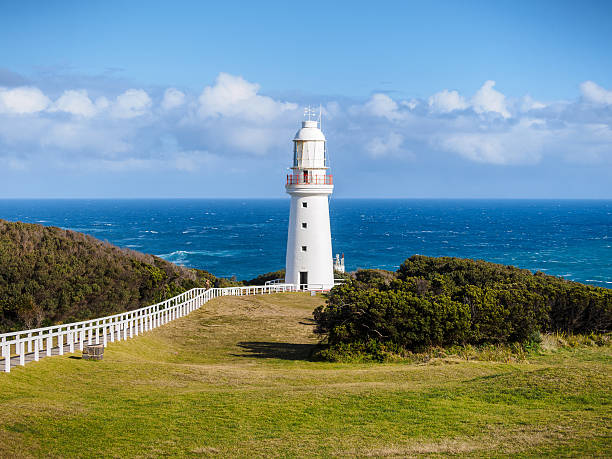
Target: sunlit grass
point(234, 379)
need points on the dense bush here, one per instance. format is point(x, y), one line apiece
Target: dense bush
point(557, 304)
point(49, 275)
point(446, 301)
point(263, 278)
point(397, 316)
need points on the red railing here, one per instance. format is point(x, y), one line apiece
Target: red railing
point(310, 180)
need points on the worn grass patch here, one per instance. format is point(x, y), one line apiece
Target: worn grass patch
point(235, 379)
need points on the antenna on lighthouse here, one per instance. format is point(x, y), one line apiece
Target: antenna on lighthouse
point(309, 112)
point(320, 118)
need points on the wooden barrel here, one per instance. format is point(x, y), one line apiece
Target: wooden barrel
point(93, 351)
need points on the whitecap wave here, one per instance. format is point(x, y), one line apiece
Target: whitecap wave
point(209, 253)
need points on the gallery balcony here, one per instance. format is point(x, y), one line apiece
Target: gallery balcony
point(293, 179)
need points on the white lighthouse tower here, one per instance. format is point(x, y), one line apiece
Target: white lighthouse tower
point(309, 250)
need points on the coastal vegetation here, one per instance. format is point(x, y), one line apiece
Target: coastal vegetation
point(441, 302)
point(263, 278)
point(49, 275)
point(235, 379)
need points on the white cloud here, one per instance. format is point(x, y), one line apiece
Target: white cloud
point(102, 103)
point(93, 140)
point(528, 103)
point(521, 144)
point(595, 93)
point(383, 106)
point(131, 104)
point(488, 99)
point(332, 110)
point(76, 102)
point(380, 146)
point(255, 139)
point(584, 143)
point(447, 101)
point(411, 104)
point(22, 100)
point(173, 98)
point(234, 97)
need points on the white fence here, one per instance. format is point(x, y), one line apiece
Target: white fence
point(30, 345)
point(304, 287)
point(275, 282)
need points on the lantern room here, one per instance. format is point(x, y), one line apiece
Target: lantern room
point(309, 147)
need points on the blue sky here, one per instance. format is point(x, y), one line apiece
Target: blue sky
point(195, 99)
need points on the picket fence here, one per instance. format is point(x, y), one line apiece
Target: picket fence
point(19, 348)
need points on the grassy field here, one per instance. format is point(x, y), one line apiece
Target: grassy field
point(233, 379)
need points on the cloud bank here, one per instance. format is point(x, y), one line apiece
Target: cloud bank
point(230, 118)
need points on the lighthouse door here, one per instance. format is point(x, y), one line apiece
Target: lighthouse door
point(303, 279)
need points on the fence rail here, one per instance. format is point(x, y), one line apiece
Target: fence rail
point(19, 348)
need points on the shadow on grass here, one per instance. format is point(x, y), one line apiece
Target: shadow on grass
point(269, 350)
point(307, 321)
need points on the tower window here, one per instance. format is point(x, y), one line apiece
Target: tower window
point(304, 248)
point(304, 225)
point(304, 204)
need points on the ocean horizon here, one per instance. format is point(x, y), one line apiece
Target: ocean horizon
point(247, 237)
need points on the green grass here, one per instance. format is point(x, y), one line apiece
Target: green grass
point(233, 379)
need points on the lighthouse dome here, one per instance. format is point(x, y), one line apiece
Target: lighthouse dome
point(309, 131)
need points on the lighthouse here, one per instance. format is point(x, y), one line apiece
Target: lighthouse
point(309, 251)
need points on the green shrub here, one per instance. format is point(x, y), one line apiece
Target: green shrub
point(374, 278)
point(447, 301)
point(399, 317)
point(263, 278)
point(559, 304)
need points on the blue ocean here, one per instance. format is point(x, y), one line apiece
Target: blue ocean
point(245, 238)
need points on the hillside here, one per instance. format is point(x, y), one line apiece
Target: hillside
point(234, 379)
point(49, 275)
